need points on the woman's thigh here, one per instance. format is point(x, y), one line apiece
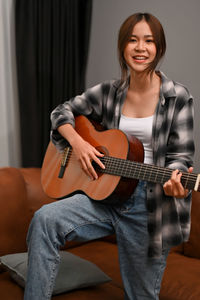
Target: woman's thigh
point(76, 218)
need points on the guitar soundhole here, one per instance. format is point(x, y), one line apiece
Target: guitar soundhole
point(103, 150)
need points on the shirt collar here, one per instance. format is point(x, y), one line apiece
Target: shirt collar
point(167, 85)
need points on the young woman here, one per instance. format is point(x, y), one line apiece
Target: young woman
point(157, 110)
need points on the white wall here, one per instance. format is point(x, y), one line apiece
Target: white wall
point(9, 112)
point(180, 19)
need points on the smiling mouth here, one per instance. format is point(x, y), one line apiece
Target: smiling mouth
point(140, 58)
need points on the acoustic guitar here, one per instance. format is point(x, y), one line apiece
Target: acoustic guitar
point(63, 176)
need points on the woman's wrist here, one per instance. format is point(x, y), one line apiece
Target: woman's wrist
point(69, 133)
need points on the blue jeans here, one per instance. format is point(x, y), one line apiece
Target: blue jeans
point(79, 218)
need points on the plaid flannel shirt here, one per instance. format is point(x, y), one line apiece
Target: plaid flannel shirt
point(172, 143)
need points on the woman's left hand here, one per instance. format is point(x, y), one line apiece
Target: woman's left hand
point(173, 186)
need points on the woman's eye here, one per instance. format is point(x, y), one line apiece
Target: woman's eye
point(133, 40)
point(149, 41)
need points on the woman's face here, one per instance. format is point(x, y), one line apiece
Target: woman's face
point(140, 51)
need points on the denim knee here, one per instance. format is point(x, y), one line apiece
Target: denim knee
point(42, 217)
point(45, 226)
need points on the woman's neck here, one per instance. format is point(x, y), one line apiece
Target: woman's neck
point(141, 82)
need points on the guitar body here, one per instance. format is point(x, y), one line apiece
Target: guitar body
point(111, 142)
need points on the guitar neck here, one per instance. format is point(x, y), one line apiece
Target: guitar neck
point(151, 173)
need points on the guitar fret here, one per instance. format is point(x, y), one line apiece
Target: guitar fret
point(156, 175)
point(163, 175)
point(128, 171)
point(150, 174)
point(133, 171)
point(186, 180)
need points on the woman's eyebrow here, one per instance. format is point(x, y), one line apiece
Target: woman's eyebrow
point(146, 35)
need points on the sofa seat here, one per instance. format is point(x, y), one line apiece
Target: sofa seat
point(181, 279)
point(97, 252)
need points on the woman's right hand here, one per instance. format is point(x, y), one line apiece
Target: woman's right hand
point(84, 152)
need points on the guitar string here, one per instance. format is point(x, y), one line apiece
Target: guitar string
point(145, 167)
point(154, 176)
point(127, 168)
point(114, 164)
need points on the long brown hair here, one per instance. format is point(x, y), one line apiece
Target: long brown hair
point(125, 33)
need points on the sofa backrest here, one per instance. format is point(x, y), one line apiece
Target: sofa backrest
point(21, 195)
point(13, 210)
point(19, 198)
point(192, 247)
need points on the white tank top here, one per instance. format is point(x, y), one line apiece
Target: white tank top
point(141, 128)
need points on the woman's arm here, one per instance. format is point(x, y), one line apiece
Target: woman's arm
point(84, 152)
point(88, 104)
point(180, 148)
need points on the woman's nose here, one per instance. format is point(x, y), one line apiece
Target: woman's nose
point(140, 46)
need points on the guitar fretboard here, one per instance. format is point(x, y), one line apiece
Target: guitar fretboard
point(136, 170)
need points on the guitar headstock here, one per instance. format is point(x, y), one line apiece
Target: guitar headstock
point(197, 184)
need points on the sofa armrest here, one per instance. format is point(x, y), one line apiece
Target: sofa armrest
point(21, 195)
point(35, 194)
point(14, 211)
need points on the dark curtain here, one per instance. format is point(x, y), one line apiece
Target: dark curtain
point(52, 38)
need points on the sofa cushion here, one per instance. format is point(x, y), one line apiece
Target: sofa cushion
point(74, 272)
point(181, 278)
point(192, 247)
point(14, 211)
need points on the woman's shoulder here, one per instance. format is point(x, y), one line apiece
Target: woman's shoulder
point(105, 86)
point(182, 91)
point(110, 83)
point(172, 88)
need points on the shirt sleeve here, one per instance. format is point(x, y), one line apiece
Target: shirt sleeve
point(180, 148)
point(88, 104)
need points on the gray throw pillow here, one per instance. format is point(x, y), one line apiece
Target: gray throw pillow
point(74, 272)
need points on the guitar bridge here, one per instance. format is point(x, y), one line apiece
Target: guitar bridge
point(64, 162)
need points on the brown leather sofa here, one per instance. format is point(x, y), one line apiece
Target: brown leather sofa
point(21, 195)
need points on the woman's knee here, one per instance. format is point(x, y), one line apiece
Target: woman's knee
point(44, 215)
point(45, 226)
point(43, 222)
